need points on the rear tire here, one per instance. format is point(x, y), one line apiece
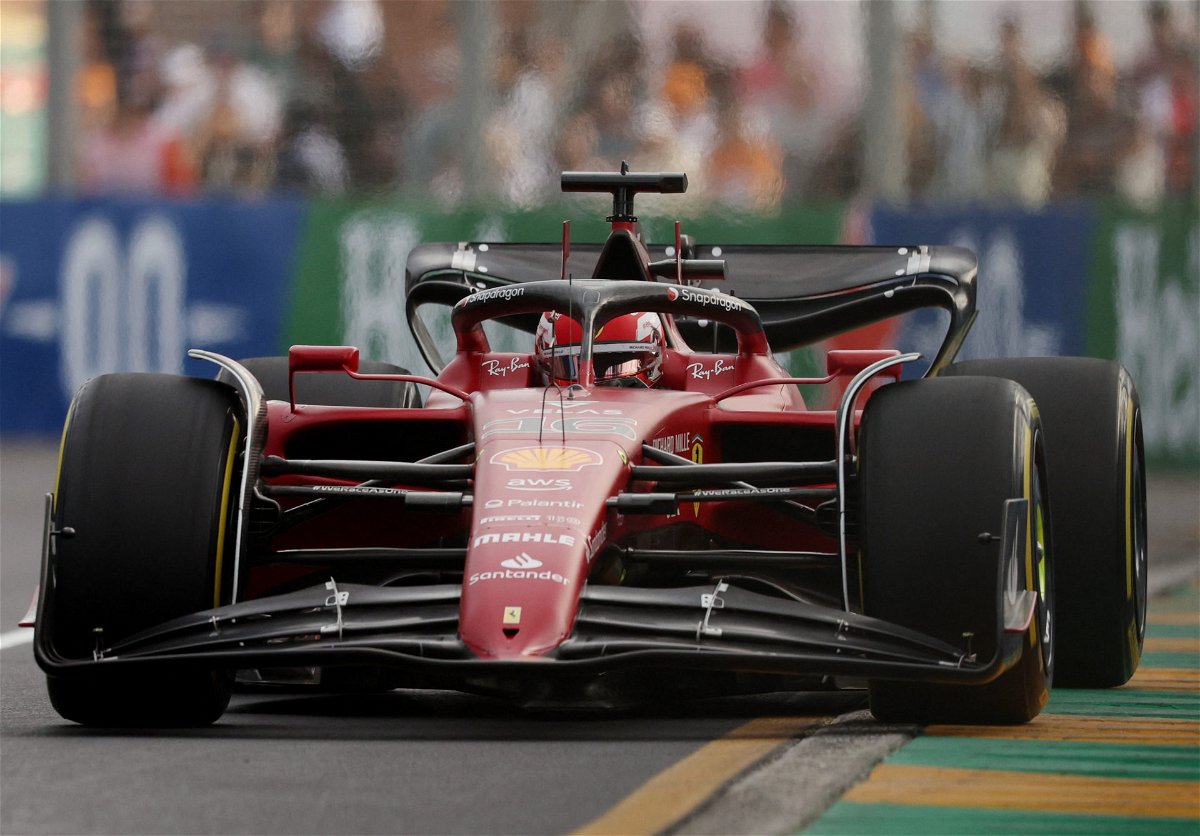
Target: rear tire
point(147, 482)
point(332, 389)
point(938, 460)
point(1096, 463)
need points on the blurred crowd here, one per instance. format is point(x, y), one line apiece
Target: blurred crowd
point(272, 96)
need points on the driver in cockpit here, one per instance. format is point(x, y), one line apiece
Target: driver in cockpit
point(626, 351)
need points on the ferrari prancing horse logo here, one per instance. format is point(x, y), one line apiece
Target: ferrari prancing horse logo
point(512, 615)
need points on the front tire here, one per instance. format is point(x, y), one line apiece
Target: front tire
point(147, 482)
point(938, 461)
point(1096, 462)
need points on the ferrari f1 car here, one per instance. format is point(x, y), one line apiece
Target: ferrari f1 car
point(552, 527)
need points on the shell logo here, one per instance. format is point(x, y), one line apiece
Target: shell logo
point(546, 458)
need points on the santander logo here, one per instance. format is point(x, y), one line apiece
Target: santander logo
point(521, 561)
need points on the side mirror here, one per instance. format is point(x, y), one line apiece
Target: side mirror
point(319, 358)
point(841, 362)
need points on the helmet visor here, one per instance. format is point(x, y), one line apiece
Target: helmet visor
point(613, 360)
point(610, 360)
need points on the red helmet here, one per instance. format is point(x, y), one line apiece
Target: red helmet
point(627, 350)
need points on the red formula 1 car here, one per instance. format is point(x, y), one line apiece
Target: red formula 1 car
point(609, 514)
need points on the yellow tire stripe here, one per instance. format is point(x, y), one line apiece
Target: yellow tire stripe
point(1031, 521)
point(931, 786)
point(678, 790)
point(221, 526)
point(62, 446)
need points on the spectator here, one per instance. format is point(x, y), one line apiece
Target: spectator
point(779, 94)
point(311, 160)
point(613, 110)
point(685, 91)
point(1097, 130)
point(433, 143)
point(133, 154)
point(1181, 145)
point(188, 91)
point(1153, 65)
point(139, 50)
point(96, 85)
point(237, 141)
point(1164, 80)
point(1030, 129)
point(744, 169)
point(577, 147)
point(1141, 173)
point(1089, 51)
point(961, 125)
point(521, 131)
point(274, 51)
point(1096, 138)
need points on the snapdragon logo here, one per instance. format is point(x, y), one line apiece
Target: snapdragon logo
point(505, 293)
point(705, 297)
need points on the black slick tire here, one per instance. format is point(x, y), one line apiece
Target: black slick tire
point(148, 483)
point(1094, 450)
point(938, 459)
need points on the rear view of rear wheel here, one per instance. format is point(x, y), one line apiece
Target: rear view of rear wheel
point(938, 461)
point(1096, 463)
point(147, 482)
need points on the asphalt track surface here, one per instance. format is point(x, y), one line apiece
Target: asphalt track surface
point(411, 762)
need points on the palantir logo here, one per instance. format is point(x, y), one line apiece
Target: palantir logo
point(521, 561)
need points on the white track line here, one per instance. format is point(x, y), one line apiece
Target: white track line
point(16, 638)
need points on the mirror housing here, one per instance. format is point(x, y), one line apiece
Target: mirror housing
point(841, 362)
point(319, 358)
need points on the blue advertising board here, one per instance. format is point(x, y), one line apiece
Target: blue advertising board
point(95, 286)
point(1033, 276)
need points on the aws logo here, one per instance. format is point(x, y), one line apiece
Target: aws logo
point(539, 484)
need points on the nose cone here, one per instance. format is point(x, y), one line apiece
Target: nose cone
point(537, 513)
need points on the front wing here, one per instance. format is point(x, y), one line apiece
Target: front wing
point(413, 630)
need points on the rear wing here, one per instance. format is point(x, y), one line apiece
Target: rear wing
point(804, 294)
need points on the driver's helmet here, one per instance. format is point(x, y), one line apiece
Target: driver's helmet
point(627, 350)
